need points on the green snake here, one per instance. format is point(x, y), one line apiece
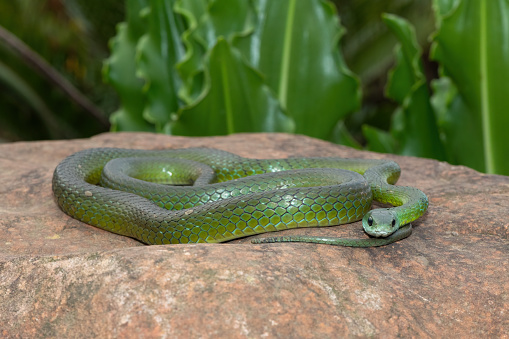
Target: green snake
point(207, 195)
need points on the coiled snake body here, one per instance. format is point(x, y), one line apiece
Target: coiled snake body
point(120, 190)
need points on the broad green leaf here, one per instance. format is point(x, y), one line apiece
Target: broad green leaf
point(190, 67)
point(471, 46)
point(414, 124)
point(158, 52)
point(368, 46)
point(419, 136)
point(458, 126)
point(295, 47)
point(133, 12)
point(408, 70)
point(207, 21)
point(235, 100)
point(379, 140)
point(120, 71)
point(342, 136)
point(224, 18)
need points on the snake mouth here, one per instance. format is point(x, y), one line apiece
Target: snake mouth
point(379, 233)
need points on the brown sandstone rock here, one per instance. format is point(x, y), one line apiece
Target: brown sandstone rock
point(62, 278)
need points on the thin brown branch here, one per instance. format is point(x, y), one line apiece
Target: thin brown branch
point(40, 65)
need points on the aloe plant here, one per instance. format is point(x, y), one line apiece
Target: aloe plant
point(200, 67)
point(414, 129)
point(464, 120)
point(209, 67)
point(471, 46)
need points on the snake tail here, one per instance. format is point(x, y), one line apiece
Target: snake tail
point(401, 233)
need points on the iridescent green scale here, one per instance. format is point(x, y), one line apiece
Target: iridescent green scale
point(232, 197)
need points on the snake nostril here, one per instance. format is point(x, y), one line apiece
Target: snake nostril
point(393, 222)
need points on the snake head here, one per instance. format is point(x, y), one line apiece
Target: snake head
point(380, 222)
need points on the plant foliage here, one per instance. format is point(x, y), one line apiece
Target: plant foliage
point(199, 67)
point(471, 45)
point(464, 120)
point(56, 32)
point(413, 128)
point(212, 67)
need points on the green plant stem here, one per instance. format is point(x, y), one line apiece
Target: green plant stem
point(56, 129)
point(37, 63)
point(285, 67)
point(485, 108)
point(227, 99)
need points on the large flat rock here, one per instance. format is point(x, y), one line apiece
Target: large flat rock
point(62, 278)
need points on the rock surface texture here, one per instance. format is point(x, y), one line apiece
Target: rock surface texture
point(62, 278)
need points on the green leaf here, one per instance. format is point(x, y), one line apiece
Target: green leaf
point(226, 19)
point(459, 128)
point(207, 21)
point(470, 45)
point(378, 140)
point(235, 100)
point(158, 51)
point(342, 136)
point(283, 67)
point(295, 46)
point(414, 124)
point(120, 71)
point(190, 67)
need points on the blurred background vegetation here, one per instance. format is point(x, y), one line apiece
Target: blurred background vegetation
point(73, 35)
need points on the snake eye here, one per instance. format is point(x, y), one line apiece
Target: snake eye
point(393, 222)
point(370, 221)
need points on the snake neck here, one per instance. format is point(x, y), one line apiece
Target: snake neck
point(410, 203)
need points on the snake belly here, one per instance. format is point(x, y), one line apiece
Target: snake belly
point(238, 197)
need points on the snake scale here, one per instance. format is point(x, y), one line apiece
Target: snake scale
point(208, 195)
